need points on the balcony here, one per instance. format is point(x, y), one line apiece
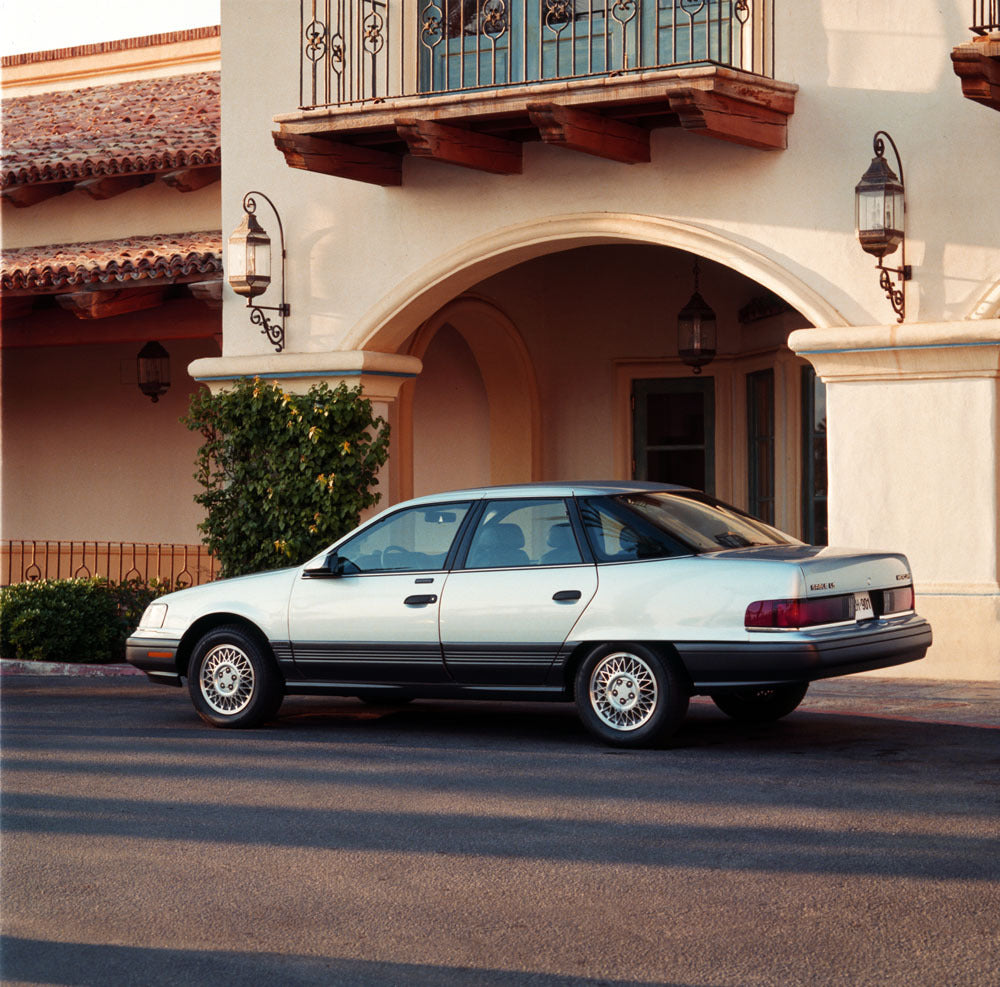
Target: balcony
point(467, 82)
point(977, 63)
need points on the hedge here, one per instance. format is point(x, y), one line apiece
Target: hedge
point(72, 620)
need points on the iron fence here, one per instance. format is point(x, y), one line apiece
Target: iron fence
point(357, 50)
point(180, 565)
point(985, 16)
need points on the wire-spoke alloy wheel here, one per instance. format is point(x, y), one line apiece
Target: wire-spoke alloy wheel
point(629, 695)
point(227, 679)
point(233, 679)
point(623, 691)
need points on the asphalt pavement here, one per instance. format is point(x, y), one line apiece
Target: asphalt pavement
point(855, 842)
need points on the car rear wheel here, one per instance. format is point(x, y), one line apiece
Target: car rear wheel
point(233, 682)
point(761, 704)
point(629, 696)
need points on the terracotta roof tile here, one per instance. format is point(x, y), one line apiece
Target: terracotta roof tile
point(143, 126)
point(159, 257)
point(103, 47)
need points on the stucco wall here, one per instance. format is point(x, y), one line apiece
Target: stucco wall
point(87, 456)
point(860, 68)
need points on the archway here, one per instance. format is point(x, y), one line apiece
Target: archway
point(416, 299)
point(512, 424)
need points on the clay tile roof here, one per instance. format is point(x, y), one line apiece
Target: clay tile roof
point(158, 257)
point(143, 126)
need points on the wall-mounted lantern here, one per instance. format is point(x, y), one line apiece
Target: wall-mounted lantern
point(153, 367)
point(249, 268)
point(880, 219)
point(696, 330)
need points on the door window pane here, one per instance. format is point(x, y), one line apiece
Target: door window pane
point(523, 533)
point(416, 539)
point(673, 426)
point(813, 458)
point(760, 444)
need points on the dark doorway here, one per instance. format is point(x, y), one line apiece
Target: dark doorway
point(673, 428)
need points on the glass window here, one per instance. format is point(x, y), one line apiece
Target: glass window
point(523, 533)
point(760, 444)
point(673, 426)
point(617, 534)
point(701, 522)
point(813, 457)
point(416, 539)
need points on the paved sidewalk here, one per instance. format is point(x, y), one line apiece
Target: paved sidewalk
point(965, 703)
point(8, 667)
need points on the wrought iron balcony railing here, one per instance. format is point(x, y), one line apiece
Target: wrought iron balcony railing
point(985, 16)
point(354, 51)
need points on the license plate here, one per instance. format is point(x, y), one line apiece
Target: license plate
point(863, 609)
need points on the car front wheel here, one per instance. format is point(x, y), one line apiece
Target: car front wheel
point(233, 682)
point(629, 696)
point(761, 704)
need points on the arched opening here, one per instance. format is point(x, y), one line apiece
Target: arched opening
point(561, 353)
point(472, 416)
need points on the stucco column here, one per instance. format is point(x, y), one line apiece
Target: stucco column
point(912, 443)
point(379, 375)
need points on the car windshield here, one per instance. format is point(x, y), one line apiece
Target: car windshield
point(701, 521)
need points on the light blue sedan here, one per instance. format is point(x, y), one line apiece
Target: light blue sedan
point(625, 598)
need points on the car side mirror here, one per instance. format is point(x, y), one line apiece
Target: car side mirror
point(332, 567)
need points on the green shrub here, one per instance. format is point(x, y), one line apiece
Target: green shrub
point(72, 620)
point(283, 474)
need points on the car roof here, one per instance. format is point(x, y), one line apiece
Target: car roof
point(559, 488)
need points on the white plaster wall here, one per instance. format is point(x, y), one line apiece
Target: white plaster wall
point(75, 217)
point(861, 67)
point(915, 466)
point(87, 456)
point(451, 426)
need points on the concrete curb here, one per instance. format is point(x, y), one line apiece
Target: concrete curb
point(12, 667)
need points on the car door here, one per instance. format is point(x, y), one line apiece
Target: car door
point(371, 614)
point(519, 588)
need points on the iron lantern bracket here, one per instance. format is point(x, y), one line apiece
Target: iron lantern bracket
point(275, 332)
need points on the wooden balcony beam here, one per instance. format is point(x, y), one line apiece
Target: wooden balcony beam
point(979, 72)
point(591, 133)
point(112, 185)
point(192, 179)
point(23, 196)
point(458, 146)
point(105, 303)
point(722, 116)
point(327, 157)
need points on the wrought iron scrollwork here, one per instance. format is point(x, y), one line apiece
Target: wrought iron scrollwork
point(315, 39)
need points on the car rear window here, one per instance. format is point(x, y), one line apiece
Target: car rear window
point(666, 524)
point(702, 522)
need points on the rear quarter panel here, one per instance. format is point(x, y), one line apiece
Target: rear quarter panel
point(697, 598)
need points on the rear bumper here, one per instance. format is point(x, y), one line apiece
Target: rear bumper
point(157, 657)
point(806, 657)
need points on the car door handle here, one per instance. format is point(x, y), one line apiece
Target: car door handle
point(566, 594)
point(420, 600)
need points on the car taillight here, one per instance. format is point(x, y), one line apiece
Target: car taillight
point(897, 600)
point(800, 613)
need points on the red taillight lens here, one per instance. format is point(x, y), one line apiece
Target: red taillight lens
point(897, 600)
point(800, 613)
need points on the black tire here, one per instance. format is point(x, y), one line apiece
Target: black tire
point(233, 679)
point(760, 704)
point(629, 696)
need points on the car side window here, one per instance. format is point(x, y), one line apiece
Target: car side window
point(413, 540)
point(619, 535)
point(523, 533)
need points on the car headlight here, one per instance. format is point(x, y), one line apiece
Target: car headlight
point(154, 615)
